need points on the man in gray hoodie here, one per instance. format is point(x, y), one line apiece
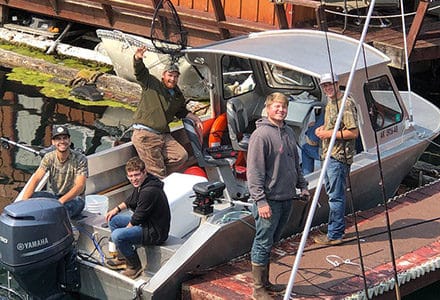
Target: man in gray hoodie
point(273, 173)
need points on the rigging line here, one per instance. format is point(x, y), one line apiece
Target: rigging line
point(349, 188)
point(326, 161)
point(332, 12)
point(387, 216)
point(405, 47)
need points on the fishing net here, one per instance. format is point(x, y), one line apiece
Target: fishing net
point(167, 33)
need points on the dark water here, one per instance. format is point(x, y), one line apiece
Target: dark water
point(27, 116)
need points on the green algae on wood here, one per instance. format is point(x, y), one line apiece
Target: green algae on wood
point(52, 87)
point(55, 59)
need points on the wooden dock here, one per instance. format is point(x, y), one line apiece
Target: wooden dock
point(335, 272)
point(211, 20)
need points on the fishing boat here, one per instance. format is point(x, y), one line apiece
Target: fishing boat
point(211, 221)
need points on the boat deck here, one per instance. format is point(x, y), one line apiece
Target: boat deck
point(334, 272)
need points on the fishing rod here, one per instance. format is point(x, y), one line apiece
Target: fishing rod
point(7, 142)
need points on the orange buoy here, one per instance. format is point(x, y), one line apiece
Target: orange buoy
point(196, 170)
point(218, 128)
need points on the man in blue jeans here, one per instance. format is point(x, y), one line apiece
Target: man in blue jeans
point(341, 155)
point(68, 172)
point(273, 174)
point(148, 225)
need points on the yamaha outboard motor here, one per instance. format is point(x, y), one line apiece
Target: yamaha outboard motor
point(36, 246)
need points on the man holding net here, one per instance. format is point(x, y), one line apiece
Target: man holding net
point(161, 101)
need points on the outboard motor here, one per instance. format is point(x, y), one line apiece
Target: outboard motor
point(36, 246)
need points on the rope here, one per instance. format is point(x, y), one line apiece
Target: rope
point(329, 11)
point(95, 243)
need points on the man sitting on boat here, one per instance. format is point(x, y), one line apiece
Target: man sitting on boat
point(68, 171)
point(341, 158)
point(148, 225)
point(161, 101)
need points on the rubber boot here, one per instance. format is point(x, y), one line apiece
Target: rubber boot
point(260, 291)
point(276, 288)
point(117, 263)
point(134, 267)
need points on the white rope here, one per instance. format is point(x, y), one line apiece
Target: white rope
point(329, 11)
point(337, 261)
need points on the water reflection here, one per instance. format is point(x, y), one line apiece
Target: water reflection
point(27, 116)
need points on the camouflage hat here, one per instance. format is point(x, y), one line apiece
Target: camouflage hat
point(172, 67)
point(59, 130)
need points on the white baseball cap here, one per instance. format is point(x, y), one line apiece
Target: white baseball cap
point(328, 78)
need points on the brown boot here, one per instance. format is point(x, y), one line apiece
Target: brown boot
point(260, 291)
point(117, 263)
point(134, 267)
point(276, 288)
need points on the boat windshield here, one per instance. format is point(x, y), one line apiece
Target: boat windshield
point(280, 77)
point(238, 76)
point(383, 106)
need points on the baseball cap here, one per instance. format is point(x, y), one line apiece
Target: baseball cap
point(172, 67)
point(328, 78)
point(59, 130)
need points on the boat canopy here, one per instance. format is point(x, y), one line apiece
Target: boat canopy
point(302, 50)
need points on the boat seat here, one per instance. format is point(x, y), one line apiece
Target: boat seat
point(203, 155)
point(238, 124)
point(158, 255)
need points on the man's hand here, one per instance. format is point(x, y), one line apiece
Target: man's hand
point(321, 132)
point(109, 215)
point(305, 194)
point(196, 120)
point(139, 54)
point(264, 211)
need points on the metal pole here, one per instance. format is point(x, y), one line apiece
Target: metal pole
point(27, 148)
point(327, 158)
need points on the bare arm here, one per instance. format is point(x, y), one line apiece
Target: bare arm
point(77, 189)
point(33, 182)
point(346, 134)
point(110, 214)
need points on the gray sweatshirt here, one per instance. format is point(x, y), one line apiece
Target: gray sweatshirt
point(273, 169)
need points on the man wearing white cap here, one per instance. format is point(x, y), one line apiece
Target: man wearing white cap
point(341, 155)
point(68, 171)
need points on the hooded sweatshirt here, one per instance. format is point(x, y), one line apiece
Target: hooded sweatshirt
point(273, 169)
point(151, 210)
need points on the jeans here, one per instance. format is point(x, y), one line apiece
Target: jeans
point(125, 239)
point(73, 207)
point(268, 231)
point(308, 156)
point(335, 182)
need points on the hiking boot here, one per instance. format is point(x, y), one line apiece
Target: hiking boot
point(134, 267)
point(324, 240)
point(117, 263)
